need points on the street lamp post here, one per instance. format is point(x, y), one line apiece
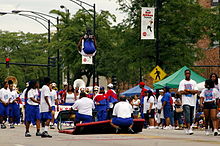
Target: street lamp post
point(80, 3)
point(43, 16)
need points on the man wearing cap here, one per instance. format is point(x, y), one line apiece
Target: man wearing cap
point(143, 94)
point(122, 115)
point(112, 98)
point(101, 104)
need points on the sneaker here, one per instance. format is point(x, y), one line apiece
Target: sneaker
point(52, 127)
point(167, 128)
point(45, 135)
point(190, 132)
point(27, 134)
point(187, 131)
point(151, 127)
point(38, 134)
point(117, 130)
point(207, 133)
point(130, 130)
point(12, 126)
point(215, 132)
point(3, 126)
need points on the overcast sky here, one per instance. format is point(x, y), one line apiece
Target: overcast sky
point(16, 23)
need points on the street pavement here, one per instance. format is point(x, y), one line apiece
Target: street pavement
point(149, 137)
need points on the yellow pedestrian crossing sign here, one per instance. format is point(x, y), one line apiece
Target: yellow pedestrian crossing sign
point(157, 74)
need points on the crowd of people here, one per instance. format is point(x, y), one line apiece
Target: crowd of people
point(185, 108)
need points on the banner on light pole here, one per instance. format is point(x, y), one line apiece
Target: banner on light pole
point(147, 23)
point(87, 60)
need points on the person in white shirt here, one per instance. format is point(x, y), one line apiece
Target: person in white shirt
point(208, 100)
point(122, 115)
point(84, 105)
point(53, 98)
point(136, 106)
point(45, 107)
point(32, 112)
point(188, 89)
point(4, 102)
point(13, 107)
point(149, 108)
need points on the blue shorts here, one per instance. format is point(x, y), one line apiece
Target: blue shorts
point(14, 110)
point(4, 110)
point(167, 112)
point(46, 116)
point(83, 118)
point(53, 108)
point(122, 122)
point(32, 113)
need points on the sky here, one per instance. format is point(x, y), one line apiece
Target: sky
point(15, 23)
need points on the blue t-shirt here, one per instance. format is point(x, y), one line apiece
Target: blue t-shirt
point(166, 97)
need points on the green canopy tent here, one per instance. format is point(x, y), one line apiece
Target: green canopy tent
point(173, 80)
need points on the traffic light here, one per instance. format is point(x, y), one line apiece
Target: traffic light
point(114, 81)
point(52, 61)
point(7, 62)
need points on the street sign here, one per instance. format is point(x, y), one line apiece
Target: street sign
point(157, 74)
point(87, 60)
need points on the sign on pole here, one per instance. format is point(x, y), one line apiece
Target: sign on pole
point(147, 23)
point(87, 59)
point(157, 74)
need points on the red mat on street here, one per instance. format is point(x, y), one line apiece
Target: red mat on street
point(101, 127)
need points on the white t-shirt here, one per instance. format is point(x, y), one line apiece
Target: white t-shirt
point(32, 93)
point(12, 95)
point(4, 95)
point(70, 98)
point(159, 102)
point(136, 102)
point(53, 97)
point(147, 103)
point(84, 106)
point(209, 95)
point(45, 91)
point(189, 99)
point(122, 109)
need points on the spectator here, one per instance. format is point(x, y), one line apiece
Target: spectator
point(136, 106)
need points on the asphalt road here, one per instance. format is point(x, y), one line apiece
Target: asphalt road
point(155, 137)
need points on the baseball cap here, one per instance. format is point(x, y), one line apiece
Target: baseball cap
point(142, 83)
point(110, 85)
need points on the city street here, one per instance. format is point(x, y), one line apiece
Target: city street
point(155, 137)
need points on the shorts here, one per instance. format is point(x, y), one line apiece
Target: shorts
point(45, 116)
point(210, 105)
point(83, 118)
point(4, 110)
point(32, 113)
point(150, 115)
point(136, 112)
point(14, 110)
point(167, 112)
point(53, 108)
point(122, 122)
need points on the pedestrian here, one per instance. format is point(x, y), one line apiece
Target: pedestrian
point(208, 100)
point(32, 112)
point(178, 111)
point(85, 106)
point(122, 115)
point(112, 99)
point(69, 96)
point(136, 106)
point(214, 78)
point(159, 113)
point(4, 102)
point(141, 85)
point(45, 108)
point(53, 98)
point(101, 104)
point(188, 89)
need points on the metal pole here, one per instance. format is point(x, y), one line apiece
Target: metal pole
point(157, 33)
point(48, 68)
point(94, 60)
point(58, 58)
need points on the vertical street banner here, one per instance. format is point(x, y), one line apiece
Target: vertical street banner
point(87, 60)
point(147, 23)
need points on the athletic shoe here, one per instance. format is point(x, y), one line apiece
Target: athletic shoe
point(117, 130)
point(130, 130)
point(38, 134)
point(45, 135)
point(52, 127)
point(215, 132)
point(27, 134)
point(187, 131)
point(190, 132)
point(167, 128)
point(12, 126)
point(207, 133)
point(3, 126)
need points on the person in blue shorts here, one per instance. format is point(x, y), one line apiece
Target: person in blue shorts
point(4, 102)
point(122, 115)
